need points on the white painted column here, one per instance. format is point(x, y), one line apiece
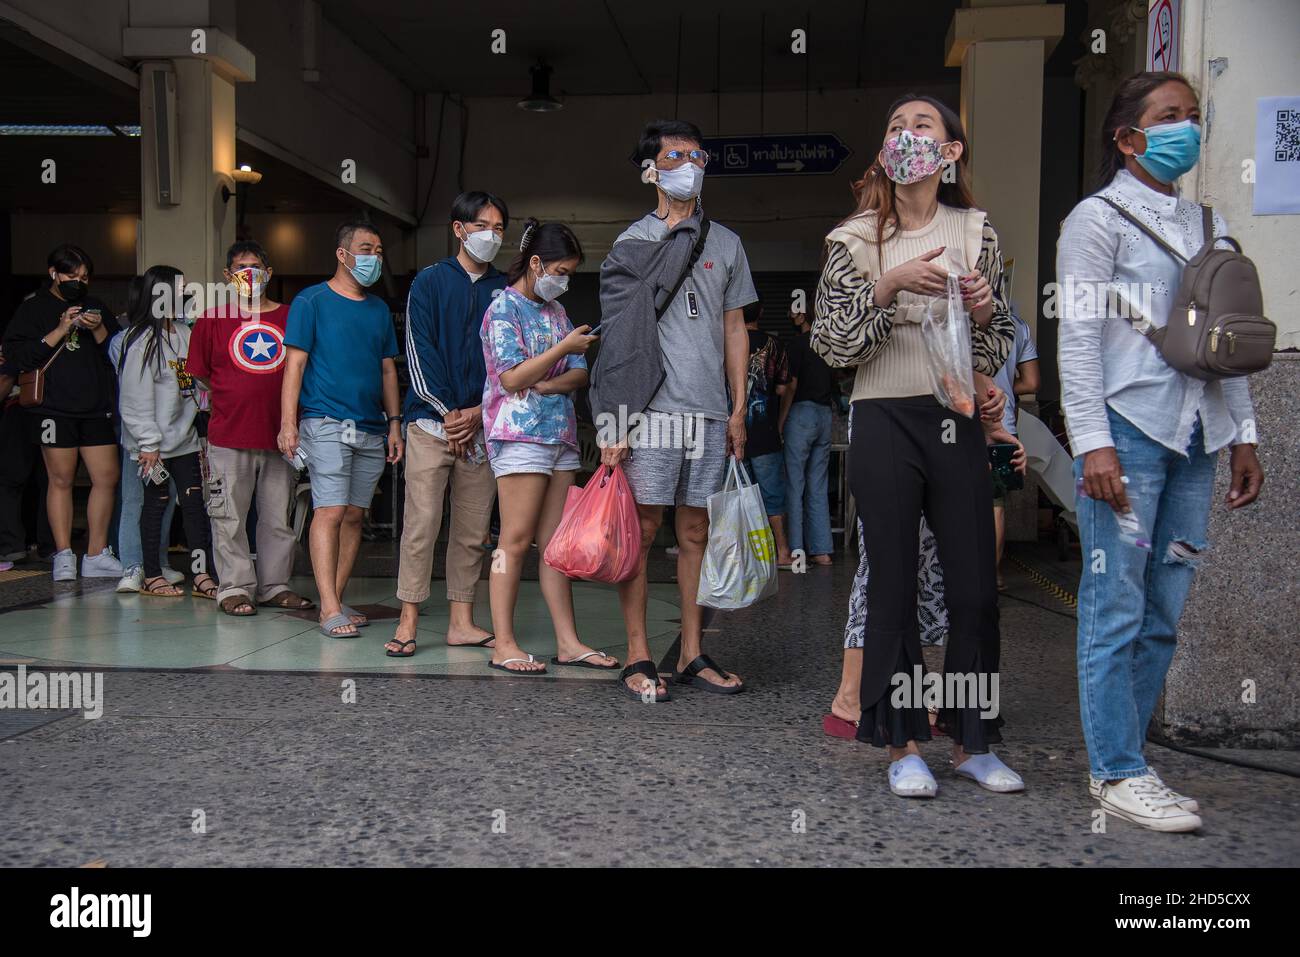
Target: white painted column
point(1001, 48)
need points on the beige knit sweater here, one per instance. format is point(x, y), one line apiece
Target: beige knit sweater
point(900, 368)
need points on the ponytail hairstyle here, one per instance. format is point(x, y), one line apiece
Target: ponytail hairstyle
point(550, 242)
point(875, 191)
point(1125, 113)
point(156, 301)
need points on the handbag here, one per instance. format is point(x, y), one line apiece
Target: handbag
point(31, 385)
point(1216, 328)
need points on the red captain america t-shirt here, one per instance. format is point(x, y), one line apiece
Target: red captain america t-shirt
point(241, 357)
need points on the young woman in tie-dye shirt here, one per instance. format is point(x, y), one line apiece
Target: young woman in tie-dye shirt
point(535, 363)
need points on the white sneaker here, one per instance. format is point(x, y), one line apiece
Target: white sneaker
point(132, 581)
point(172, 575)
point(103, 565)
point(1190, 804)
point(65, 566)
point(1147, 802)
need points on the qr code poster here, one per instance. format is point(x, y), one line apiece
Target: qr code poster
point(1277, 155)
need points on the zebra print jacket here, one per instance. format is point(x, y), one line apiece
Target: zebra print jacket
point(849, 329)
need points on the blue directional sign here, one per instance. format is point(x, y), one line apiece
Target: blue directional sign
point(775, 154)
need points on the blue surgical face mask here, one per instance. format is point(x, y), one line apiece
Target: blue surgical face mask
point(367, 269)
point(1172, 149)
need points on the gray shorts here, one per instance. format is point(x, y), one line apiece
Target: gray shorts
point(677, 460)
point(344, 467)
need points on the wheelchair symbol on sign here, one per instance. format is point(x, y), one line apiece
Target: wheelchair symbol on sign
point(736, 156)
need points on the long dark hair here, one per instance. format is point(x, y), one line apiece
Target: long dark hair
point(550, 242)
point(155, 302)
point(1126, 111)
point(875, 191)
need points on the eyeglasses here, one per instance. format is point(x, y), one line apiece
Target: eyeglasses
point(699, 157)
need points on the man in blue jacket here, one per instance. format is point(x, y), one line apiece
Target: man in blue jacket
point(444, 422)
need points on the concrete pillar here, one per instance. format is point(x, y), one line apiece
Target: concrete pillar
point(1001, 47)
point(193, 235)
point(1233, 681)
point(192, 229)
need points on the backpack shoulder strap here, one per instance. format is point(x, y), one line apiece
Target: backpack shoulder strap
point(690, 264)
point(1207, 225)
point(1144, 227)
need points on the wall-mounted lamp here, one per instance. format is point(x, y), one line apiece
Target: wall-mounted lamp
point(244, 177)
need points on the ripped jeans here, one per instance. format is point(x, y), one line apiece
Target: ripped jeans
point(1130, 599)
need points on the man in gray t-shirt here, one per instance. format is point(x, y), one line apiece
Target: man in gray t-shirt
point(691, 331)
point(697, 417)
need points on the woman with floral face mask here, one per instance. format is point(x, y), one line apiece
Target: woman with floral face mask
point(1145, 437)
point(909, 456)
point(535, 363)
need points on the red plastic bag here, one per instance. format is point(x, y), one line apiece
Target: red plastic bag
point(599, 536)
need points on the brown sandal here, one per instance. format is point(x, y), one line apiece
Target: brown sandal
point(159, 587)
point(209, 591)
point(231, 602)
point(288, 600)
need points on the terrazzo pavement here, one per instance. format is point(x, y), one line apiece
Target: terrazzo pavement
point(516, 771)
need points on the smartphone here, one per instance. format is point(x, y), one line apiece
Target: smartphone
point(88, 312)
point(1000, 454)
point(158, 475)
point(298, 460)
point(593, 331)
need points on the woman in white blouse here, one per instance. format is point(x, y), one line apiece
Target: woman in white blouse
point(1145, 437)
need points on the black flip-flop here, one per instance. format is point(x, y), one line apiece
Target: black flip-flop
point(403, 653)
point(647, 670)
point(582, 662)
point(472, 644)
point(691, 677)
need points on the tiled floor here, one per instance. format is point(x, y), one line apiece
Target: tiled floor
point(109, 630)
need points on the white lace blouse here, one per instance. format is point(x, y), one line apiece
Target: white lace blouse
point(1103, 359)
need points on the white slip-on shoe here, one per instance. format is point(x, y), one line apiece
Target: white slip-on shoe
point(132, 580)
point(172, 575)
point(988, 771)
point(65, 566)
point(1095, 784)
point(909, 777)
point(103, 565)
point(1147, 802)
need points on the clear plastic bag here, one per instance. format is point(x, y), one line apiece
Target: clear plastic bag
point(946, 330)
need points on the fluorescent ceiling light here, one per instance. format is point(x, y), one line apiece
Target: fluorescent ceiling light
point(56, 129)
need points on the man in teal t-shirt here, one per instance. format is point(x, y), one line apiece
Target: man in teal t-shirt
point(340, 406)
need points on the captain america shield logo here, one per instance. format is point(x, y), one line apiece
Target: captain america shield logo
point(257, 347)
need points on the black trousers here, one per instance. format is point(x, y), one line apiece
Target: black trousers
point(20, 467)
point(910, 457)
point(188, 478)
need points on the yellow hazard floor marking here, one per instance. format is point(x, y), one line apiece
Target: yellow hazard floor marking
point(1065, 597)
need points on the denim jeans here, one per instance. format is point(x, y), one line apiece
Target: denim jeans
point(769, 472)
point(1130, 599)
point(130, 501)
point(807, 460)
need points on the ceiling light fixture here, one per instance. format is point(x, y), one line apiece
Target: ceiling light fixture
point(540, 100)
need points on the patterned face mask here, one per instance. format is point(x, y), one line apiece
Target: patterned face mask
point(908, 158)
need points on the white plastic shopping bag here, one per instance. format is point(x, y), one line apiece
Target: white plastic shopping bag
point(740, 560)
point(945, 327)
